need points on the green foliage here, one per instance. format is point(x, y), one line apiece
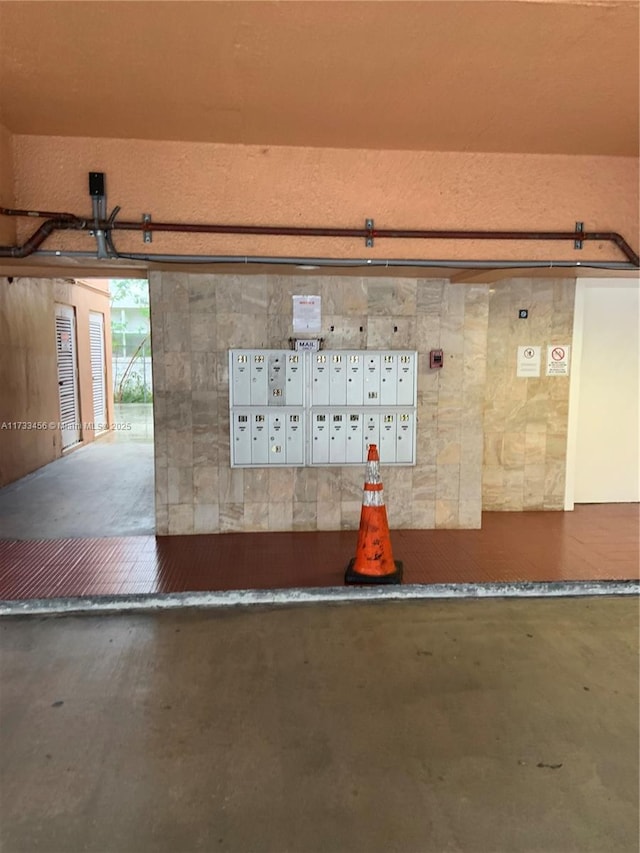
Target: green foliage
point(135, 292)
point(134, 390)
point(136, 289)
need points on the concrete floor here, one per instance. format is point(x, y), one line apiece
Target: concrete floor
point(458, 726)
point(111, 480)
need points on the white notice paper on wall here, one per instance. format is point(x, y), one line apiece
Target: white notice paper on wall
point(529, 359)
point(307, 315)
point(558, 360)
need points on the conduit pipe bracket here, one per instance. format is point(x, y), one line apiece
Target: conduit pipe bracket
point(577, 244)
point(147, 235)
point(368, 224)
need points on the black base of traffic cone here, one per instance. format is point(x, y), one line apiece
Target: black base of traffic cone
point(353, 577)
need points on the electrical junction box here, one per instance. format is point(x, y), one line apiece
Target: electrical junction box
point(296, 408)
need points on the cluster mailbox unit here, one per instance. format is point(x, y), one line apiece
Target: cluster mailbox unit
point(322, 408)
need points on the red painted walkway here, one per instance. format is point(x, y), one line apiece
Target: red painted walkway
point(591, 543)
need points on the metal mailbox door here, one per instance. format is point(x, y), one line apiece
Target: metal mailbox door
point(354, 452)
point(371, 431)
point(241, 439)
point(371, 379)
point(406, 379)
point(259, 380)
point(240, 379)
point(404, 441)
point(277, 378)
point(387, 437)
point(277, 438)
point(337, 379)
point(388, 379)
point(295, 439)
point(355, 378)
point(320, 438)
point(259, 440)
point(320, 379)
point(338, 440)
point(294, 393)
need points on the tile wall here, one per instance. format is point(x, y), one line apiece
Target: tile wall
point(525, 419)
point(196, 319)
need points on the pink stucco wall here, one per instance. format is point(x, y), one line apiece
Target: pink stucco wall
point(333, 187)
point(7, 226)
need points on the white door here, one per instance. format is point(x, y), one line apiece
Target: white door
point(67, 375)
point(98, 378)
point(604, 417)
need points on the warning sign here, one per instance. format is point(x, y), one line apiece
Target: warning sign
point(558, 360)
point(307, 315)
point(529, 361)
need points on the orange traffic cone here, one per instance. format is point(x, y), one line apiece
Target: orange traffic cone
point(374, 561)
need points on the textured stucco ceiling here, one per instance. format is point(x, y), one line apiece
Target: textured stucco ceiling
point(551, 76)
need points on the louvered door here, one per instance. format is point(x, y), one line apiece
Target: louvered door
point(96, 339)
point(67, 375)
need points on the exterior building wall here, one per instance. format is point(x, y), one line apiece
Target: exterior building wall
point(28, 376)
point(196, 319)
point(87, 296)
point(525, 419)
point(200, 182)
point(28, 368)
point(7, 224)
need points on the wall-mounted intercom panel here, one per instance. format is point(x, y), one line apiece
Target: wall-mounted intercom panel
point(436, 359)
point(322, 408)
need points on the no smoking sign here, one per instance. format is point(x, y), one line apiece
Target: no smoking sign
point(557, 360)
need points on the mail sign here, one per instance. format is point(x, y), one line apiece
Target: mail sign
point(307, 346)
